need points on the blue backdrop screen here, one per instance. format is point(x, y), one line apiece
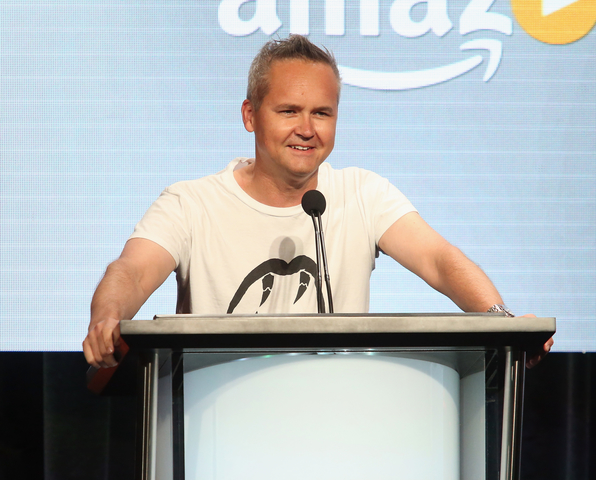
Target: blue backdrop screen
point(482, 113)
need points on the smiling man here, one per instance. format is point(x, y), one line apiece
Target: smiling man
point(239, 240)
point(294, 127)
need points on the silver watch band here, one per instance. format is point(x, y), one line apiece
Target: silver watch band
point(497, 308)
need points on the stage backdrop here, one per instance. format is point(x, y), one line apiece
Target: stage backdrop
point(483, 113)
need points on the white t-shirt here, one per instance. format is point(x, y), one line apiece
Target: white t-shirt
point(236, 255)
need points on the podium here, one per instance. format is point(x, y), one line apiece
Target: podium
point(373, 396)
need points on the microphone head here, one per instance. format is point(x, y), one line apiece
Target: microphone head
point(313, 201)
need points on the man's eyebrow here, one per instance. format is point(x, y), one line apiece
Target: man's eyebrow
point(290, 106)
point(329, 110)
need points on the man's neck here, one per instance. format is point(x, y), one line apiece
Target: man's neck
point(272, 191)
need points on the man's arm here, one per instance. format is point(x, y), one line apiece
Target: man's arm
point(127, 284)
point(413, 243)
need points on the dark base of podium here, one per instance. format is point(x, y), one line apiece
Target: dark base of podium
point(52, 427)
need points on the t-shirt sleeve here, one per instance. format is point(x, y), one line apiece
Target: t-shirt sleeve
point(386, 202)
point(166, 223)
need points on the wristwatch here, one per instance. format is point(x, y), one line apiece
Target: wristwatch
point(496, 308)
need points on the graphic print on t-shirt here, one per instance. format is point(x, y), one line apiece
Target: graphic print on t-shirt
point(287, 281)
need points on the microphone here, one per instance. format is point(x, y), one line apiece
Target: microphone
point(314, 201)
point(314, 204)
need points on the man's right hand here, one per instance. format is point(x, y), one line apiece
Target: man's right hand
point(141, 268)
point(101, 343)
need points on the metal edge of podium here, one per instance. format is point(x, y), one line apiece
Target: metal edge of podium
point(304, 331)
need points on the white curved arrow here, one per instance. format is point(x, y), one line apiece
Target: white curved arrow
point(495, 49)
point(423, 78)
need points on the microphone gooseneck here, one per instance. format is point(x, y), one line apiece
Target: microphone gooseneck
point(314, 204)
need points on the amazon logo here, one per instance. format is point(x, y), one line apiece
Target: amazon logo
point(244, 17)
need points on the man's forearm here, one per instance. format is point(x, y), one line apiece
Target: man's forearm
point(464, 282)
point(119, 295)
point(420, 249)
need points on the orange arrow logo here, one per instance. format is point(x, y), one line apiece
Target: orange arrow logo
point(555, 21)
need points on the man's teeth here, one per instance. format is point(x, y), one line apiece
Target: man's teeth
point(297, 147)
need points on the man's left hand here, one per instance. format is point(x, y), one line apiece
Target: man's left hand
point(534, 360)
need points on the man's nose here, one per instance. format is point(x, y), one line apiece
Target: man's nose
point(304, 128)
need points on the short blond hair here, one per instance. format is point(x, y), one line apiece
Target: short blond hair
point(295, 47)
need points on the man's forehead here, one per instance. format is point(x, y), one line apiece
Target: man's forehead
point(286, 72)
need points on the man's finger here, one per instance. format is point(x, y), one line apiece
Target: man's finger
point(95, 347)
point(116, 335)
point(549, 344)
point(101, 346)
point(89, 354)
point(106, 338)
point(536, 359)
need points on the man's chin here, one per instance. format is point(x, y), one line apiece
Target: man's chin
point(305, 173)
point(304, 166)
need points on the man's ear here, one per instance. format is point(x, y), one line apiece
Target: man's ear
point(248, 113)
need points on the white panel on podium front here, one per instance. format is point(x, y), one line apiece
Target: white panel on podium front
point(338, 416)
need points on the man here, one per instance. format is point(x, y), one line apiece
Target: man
point(239, 240)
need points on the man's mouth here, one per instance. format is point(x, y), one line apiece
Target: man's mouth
point(301, 148)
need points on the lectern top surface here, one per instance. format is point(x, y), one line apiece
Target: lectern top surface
point(382, 330)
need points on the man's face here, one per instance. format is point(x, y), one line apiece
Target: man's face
point(295, 125)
